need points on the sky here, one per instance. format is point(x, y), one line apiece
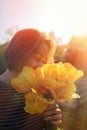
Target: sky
point(64, 17)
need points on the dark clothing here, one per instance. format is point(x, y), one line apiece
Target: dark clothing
point(12, 114)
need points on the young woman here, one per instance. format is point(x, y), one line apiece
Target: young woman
point(28, 47)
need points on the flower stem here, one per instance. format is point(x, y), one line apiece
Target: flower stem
point(49, 126)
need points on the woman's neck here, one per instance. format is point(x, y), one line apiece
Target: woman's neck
point(7, 76)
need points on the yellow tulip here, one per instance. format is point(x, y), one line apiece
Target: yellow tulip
point(47, 84)
point(25, 80)
point(72, 73)
point(35, 104)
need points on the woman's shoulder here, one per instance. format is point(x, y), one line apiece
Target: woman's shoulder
point(9, 94)
point(12, 111)
point(6, 88)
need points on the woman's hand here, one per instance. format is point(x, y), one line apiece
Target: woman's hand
point(53, 114)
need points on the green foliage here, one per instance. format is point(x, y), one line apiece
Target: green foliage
point(75, 115)
point(60, 54)
point(2, 60)
point(73, 118)
point(78, 42)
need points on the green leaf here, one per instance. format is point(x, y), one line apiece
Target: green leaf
point(49, 126)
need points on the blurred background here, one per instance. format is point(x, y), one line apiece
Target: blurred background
point(66, 22)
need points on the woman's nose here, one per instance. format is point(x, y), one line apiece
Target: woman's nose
point(40, 64)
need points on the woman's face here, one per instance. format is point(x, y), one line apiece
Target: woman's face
point(41, 56)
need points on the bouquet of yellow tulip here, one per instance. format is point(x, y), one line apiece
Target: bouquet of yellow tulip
point(47, 84)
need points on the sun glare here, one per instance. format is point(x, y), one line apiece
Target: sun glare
point(60, 16)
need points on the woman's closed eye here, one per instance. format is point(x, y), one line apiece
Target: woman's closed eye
point(38, 57)
point(41, 58)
